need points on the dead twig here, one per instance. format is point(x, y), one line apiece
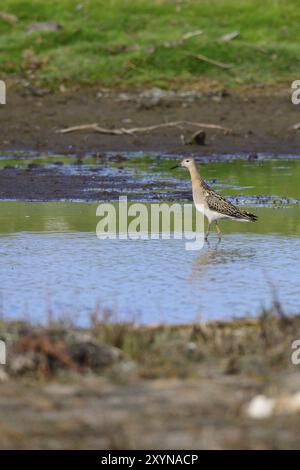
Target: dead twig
point(94, 127)
point(174, 43)
point(204, 58)
point(134, 130)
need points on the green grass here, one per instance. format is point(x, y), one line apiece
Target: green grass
point(121, 42)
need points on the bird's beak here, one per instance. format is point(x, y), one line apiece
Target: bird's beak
point(173, 167)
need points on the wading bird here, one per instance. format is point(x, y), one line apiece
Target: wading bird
point(210, 203)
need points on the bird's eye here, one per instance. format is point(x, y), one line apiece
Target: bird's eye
point(187, 161)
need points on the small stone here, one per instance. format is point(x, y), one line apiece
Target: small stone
point(197, 138)
point(87, 352)
point(148, 99)
point(260, 407)
point(21, 363)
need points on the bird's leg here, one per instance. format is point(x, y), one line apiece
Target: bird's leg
point(207, 233)
point(218, 230)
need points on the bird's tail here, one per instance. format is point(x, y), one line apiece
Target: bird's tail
point(249, 216)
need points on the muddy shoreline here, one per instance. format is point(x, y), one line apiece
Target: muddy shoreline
point(30, 121)
point(260, 119)
point(41, 184)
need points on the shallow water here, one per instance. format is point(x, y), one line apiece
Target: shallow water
point(53, 263)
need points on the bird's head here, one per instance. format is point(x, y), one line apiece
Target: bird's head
point(185, 163)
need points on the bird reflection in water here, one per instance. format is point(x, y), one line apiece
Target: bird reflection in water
point(214, 253)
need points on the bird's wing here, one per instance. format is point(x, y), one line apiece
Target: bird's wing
point(218, 203)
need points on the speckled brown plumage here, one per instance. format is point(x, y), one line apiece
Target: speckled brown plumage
point(218, 203)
